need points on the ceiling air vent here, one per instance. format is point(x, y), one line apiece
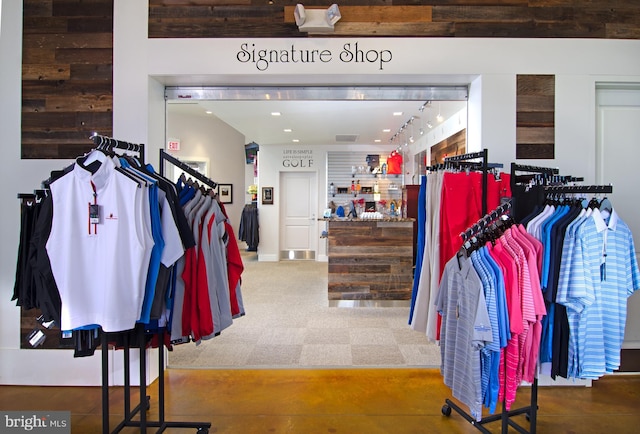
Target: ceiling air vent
point(351, 138)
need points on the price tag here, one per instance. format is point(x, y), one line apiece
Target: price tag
point(94, 214)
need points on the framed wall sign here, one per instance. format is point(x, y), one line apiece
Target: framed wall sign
point(267, 195)
point(225, 193)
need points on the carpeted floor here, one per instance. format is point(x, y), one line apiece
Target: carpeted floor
point(289, 324)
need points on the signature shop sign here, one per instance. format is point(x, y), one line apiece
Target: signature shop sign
point(262, 57)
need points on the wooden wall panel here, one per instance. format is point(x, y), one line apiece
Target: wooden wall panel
point(454, 145)
point(410, 18)
point(535, 111)
point(67, 76)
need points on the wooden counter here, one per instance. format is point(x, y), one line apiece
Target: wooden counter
point(370, 259)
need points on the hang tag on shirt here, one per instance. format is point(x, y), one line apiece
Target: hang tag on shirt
point(94, 214)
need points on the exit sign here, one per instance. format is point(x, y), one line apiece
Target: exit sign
point(173, 145)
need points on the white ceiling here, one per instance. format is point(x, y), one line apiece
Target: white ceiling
point(318, 122)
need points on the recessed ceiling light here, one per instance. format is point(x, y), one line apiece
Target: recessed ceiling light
point(397, 113)
point(275, 113)
point(287, 130)
point(295, 140)
point(377, 140)
point(208, 112)
point(386, 130)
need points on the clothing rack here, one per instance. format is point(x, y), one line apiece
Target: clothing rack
point(109, 143)
point(593, 189)
point(143, 406)
point(548, 172)
point(505, 415)
point(485, 221)
point(164, 156)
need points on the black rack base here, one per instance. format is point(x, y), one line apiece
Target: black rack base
point(129, 414)
point(531, 412)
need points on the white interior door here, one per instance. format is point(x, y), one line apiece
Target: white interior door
point(299, 217)
point(618, 148)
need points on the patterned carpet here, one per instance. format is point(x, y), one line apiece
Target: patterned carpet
point(289, 324)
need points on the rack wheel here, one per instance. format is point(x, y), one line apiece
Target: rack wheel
point(202, 430)
point(446, 410)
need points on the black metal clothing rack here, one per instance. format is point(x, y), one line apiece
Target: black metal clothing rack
point(109, 143)
point(486, 220)
point(569, 189)
point(164, 156)
point(129, 414)
point(505, 416)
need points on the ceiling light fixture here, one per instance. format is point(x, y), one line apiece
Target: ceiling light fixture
point(275, 113)
point(429, 124)
point(439, 118)
point(209, 112)
point(316, 20)
point(397, 113)
point(295, 140)
point(287, 130)
point(426, 104)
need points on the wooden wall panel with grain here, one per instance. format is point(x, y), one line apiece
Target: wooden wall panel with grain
point(402, 18)
point(67, 76)
point(535, 116)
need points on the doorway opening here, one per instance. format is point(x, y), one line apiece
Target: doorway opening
point(301, 329)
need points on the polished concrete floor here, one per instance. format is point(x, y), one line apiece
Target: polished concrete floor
point(350, 401)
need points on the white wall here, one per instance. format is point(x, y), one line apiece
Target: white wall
point(221, 145)
point(142, 66)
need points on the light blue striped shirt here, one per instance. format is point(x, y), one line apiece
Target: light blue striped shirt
point(603, 274)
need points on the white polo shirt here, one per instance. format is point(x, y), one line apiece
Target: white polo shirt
point(100, 269)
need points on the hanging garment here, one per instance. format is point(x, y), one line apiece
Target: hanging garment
point(107, 287)
point(466, 330)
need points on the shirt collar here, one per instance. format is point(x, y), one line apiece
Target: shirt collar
point(601, 224)
point(100, 177)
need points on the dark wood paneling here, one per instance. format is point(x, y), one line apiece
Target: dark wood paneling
point(67, 76)
point(439, 18)
point(53, 336)
point(535, 152)
point(38, 8)
point(535, 124)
